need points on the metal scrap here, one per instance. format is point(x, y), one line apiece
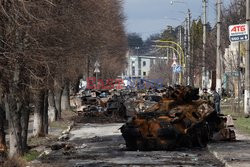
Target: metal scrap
point(180, 119)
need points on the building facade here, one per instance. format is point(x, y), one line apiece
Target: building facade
point(139, 66)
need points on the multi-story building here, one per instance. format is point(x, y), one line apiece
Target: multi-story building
point(139, 66)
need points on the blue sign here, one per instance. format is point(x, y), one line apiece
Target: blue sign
point(239, 38)
point(177, 69)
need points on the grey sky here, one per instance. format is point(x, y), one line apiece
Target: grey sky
point(152, 16)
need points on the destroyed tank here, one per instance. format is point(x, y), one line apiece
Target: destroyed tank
point(180, 119)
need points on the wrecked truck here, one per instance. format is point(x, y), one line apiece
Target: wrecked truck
point(180, 119)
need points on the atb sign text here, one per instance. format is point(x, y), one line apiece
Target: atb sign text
point(238, 33)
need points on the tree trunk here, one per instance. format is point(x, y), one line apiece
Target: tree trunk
point(15, 130)
point(3, 147)
point(39, 113)
point(13, 107)
point(65, 100)
point(58, 97)
point(25, 115)
point(45, 113)
point(77, 84)
point(52, 111)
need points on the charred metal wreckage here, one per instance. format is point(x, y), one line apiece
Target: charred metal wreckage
point(180, 119)
point(162, 119)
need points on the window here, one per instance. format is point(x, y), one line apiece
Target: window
point(139, 62)
point(133, 63)
point(144, 63)
point(133, 70)
point(144, 73)
point(139, 72)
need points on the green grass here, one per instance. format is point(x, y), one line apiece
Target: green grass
point(65, 121)
point(31, 155)
point(241, 123)
point(59, 125)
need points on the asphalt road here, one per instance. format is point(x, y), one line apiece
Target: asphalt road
point(102, 145)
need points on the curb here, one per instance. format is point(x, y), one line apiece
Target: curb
point(218, 157)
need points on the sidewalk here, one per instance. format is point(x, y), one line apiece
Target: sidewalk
point(233, 154)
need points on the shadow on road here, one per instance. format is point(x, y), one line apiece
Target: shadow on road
point(92, 146)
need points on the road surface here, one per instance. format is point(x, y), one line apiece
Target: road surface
point(102, 145)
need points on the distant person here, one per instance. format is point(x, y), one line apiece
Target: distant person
point(205, 95)
point(216, 99)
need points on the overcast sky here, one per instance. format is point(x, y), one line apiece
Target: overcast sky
point(147, 17)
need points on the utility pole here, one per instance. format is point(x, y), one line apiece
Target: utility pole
point(192, 59)
point(247, 69)
point(204, 72)
point(239, 78)
point(180, 31)
point(189, 50)
point(180, 51)
point(218, 51)
point(185, 70)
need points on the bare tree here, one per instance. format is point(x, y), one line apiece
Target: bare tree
point(43, 49)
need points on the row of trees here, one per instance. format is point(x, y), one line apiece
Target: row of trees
point(46, 46)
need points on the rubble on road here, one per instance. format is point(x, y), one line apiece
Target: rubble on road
point(106, 106)
point(62, 145)
point(180, 119)
point(58, 146)
point(63, 137)
point(45, 152)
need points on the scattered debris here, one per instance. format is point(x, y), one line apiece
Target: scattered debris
point(64, 137)
point(82, 146)
point(45, 152)
point(230, 122)
point(114, 106)
point(58, 146)
point(224, 135)
point(66, 131)
point(62, 145)
point(122, 146)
